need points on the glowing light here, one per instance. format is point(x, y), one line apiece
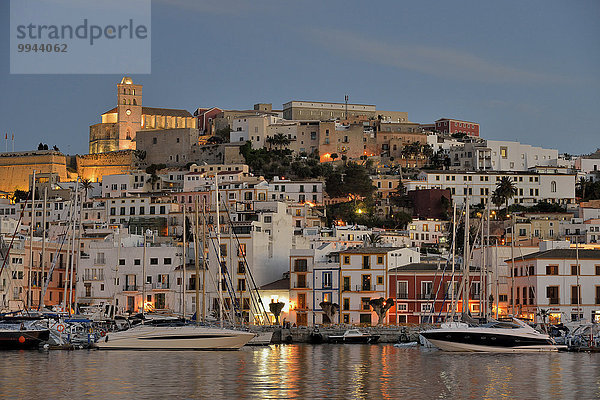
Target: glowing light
point(359, 211)
point(310, 203)
point(292, 305)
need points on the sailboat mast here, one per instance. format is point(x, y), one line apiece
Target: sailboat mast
point(465, 293)
point(31, 229)
point(196, 260)
point(114, 299)
point(220, 271)
point(452, 284)
point(486, 259)
point(512, 265)
point(42, 280)
point(204, 259)
point(183, 272)
point(72, 263)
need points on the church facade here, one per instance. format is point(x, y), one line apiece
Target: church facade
point(119, 126)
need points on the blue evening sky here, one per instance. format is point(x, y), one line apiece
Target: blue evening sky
point(525, 70)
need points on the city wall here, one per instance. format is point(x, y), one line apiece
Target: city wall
point(15, 168)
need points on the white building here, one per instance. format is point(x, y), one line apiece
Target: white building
point(551, 280)
point(531, 187)
point(499, 155)
point(121, 185)
point(113, 269)
point(298, 191)
point(428, 232)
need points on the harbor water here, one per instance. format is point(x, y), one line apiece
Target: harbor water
point(298, 371)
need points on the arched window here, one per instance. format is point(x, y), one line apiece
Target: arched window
point(553, 186)
point(124, 102)
point(124, 91)
point(134, 102)
point(133, 92)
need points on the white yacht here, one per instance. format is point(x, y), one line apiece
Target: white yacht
point(496, 336)
point(185, 337)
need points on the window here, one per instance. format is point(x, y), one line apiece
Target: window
point(575, 270)
point(366, 262)
point(380, 280)
point(552, 294)
point(426, 288)
point(122, 261)
point(597, 269)
point(575, 294)
point(241, 267)
point(553, 186)
point(167, 261)
point(346, 304)
point(346, 259)
point(327, 279)
point(379, 259)
point(346, 286)
point(242, 250)
point(223, 249)
point(154, 261)
point(402, 290)
point(364, 301)
point(241, 285)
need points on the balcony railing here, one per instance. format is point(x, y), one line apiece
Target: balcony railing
point(426, 296)
point(575, 300)
point(365, 288)
point(300, 268)
point(300, 285)
point(94, 277)
point(553, 300)
point(131, 288)
point(160, 285)
point(597, 300)
point(402, 296)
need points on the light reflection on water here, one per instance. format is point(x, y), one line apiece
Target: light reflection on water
point(299, 371)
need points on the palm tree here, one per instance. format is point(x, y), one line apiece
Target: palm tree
point(333, 156)
point(281, 140)
point(373, 239)
point(86, 185)
point(270, 141)
point(506, 190)
point(582, 183)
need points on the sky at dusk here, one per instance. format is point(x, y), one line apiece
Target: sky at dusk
point(526, 71)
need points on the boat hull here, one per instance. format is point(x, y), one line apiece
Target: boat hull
point(23, 339)
point(175, 338)
point(472, 341)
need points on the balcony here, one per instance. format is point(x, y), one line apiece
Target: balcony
point(131, 288)
point(597, 300)
point(553, 300)
point(300, 268)
point(94, 277)
point(575, 300)
point(160, 285)
point(426, 296)
point(300, 285)
point(365, 288)
point(402, 296)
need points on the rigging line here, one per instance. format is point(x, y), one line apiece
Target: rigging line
point(248, 271)
point(15, 233)
point(51, 271)
point(227, 286)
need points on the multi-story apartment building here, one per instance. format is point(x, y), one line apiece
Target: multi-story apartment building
point(427, 232)
point(122, 185)
point(316, 110)
point(297, 191)
point(451, 126)
point(352, 140)
point(531, 187)
point(496, 155)
point(422, 292)
point(158, 213)
point(565, 282)
point(111, 273)
point(364, 276)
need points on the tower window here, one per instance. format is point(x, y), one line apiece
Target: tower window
point(134, 102)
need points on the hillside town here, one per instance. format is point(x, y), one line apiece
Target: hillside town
point(335, 212)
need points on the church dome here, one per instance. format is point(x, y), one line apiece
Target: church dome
point(126, 80)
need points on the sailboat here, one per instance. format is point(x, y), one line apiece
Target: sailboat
point(173, 335)
point(494, 336)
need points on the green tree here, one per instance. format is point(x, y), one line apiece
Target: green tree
point(276, 308)
point(505, 190)
point(86, 185)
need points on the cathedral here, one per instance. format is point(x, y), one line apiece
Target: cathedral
point(119, 126)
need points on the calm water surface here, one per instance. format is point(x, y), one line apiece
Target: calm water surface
point(298, 371)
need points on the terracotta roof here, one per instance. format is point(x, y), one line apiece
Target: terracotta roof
point(281, 284)
point(561, 254)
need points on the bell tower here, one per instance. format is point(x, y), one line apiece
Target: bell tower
point(129, 112)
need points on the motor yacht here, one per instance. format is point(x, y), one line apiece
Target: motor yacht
point(495, 336)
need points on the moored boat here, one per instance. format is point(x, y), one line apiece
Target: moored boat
point(19, 336)
point(354, 336)
point(495, 336)
point(186, 337)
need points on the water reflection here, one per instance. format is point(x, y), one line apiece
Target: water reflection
point(299, 371)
